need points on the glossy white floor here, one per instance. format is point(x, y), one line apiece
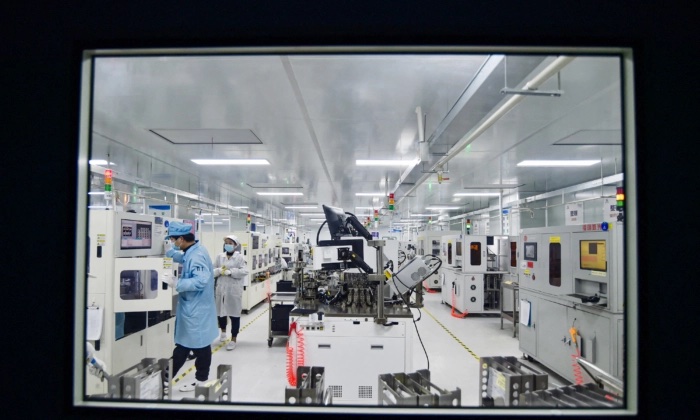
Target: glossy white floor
point(453, 347)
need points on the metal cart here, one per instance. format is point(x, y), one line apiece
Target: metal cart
point(281, 303)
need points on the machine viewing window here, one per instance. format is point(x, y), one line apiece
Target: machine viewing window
point(475, 253)
point(530, 253)
point(136, 234)
point(592, 255)
point(436, 247)
point(513, 254)
point(459, 248)
point(256, 242)
point(555, 264)
point(138, 284)
point(449, 253)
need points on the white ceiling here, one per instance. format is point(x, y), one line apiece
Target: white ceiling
point(312, 116)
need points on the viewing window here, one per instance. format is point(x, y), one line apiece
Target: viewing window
point(475, 253)
point(555, 264)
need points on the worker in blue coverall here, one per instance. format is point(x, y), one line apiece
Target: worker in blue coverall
point(195, 318)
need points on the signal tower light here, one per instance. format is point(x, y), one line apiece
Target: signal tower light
point(468, 226)
point(620, 197)
point(391, 202)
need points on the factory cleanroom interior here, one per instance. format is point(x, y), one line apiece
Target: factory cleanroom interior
point(445, 231)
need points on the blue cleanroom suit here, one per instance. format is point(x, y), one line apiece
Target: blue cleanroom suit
point(195, 322)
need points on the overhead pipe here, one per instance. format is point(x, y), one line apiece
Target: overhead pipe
point(422, 145)
point(552, 69)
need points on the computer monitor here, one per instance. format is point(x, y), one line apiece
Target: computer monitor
point(592, 255)
point(337, 221)
point(344, 224)
point(136, 234)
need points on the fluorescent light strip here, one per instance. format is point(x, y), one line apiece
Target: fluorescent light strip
point(553, 163)
point(367, 208)
point(312, 214)
point(426, 214)
point(96, 193)
point(369, 194)
point(99, 162)
point(280, 193)
point(318, 220)
point(386, 162)
point(476, 194)
point(230, 161)
point(209, 214)
point(240, 207)
point(442, 208)
point(492, 186)
point(300, 207)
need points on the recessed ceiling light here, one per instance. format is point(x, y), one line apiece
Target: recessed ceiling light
point(280, 193)
point(476, 194)
point(230, 161)
point(386, 162)
point(491, 186)
point(550, 163)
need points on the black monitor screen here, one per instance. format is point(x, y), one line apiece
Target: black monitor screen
point(136, 234)
point(530, 251)
point(336, 219)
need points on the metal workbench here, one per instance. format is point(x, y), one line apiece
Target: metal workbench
point(281, 303)
point(514, 314)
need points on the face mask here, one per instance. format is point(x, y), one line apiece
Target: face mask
point(228, 248)
point(175, 247)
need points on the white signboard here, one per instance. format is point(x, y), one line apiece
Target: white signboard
point(610, 210)
point(573, 214)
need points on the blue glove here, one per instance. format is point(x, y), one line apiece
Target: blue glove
point(170, 252)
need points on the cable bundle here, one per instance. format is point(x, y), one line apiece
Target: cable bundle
point(578, 373)
point(295, 354)
point(428, 289)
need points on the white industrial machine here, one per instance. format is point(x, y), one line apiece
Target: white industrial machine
point(572, 296)
point(346, 309)
point(430, 243)
point(472, 284)
point(130, 313)
point(258, 250)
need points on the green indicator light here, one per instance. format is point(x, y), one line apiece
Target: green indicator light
point(468, 148)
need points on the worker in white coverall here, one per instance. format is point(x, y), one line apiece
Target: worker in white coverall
point(231, 273)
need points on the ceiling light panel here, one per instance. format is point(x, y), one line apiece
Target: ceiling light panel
point(230, 161)
point(386, 162)
point(477, 194)
point(280, 193)
point(558, 163)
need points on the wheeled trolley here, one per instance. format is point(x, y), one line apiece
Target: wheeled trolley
point(281, 303)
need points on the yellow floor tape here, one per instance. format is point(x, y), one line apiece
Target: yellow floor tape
point(217, 348)
point(452, 335)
